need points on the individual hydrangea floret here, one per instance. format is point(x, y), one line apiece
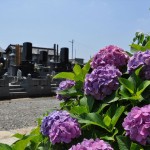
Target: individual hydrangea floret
point(140, 59)
point(111, 55)
point(64, 85)
point(92, 145)
point(102, 81)
point(60, 127)
point(137, 124)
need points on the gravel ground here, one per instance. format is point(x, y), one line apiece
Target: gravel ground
point(23, 112)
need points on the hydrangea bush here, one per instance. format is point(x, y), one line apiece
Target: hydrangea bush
point(103, 107)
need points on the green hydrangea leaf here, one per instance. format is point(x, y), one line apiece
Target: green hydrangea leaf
point(123, 142)
point(77, 69)
point(127, 84)
point(65, 75)
point(5, 147)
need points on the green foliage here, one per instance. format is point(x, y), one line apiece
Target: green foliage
point(78, 73)
point(98, 118)
point(5, 147)
point(133, 87)
point(126, 144)
point(141, 42)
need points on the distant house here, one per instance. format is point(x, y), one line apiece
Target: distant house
point(1, 51)
point(79, 61)
point(52, 53)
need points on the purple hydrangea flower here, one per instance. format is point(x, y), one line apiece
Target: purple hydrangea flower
point(111, 55)
point(64, 85)
point(50, 119)
point(102, 81)
point(60, 127)
point(137, 124)
point(92, 145)
point(140, 59)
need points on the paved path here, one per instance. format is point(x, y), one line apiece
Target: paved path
point(19, 115)
point(6, 137)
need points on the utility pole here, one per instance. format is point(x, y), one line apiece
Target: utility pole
point(72, 47)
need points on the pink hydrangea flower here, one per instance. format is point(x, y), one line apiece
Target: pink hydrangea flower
point(137, 124)
point(111, 55)
point(92, 145)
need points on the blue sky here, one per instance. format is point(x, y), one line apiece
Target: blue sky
point(92, 24)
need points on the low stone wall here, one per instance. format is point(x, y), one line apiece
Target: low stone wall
point(37, 87)
point(4, 87)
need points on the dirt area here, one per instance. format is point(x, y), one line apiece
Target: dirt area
point(23, 112)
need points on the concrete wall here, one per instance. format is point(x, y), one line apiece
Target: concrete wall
point(37, 87)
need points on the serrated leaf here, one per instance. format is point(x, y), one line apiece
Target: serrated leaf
point(88, 102)
point(23, 143)
point(5, 147)
point(141, 38)
point(79, 110)
point(86, 67)
point(19, 136)
point(107, 120)
point(124, 92)
point(77, 69)
point(35, 131)
point(111, 98)
point(135, 146)
point(117, 115)
point(142, 87)
point(93, 119)
point(136, 47)
point(123, 142)
point(127, 84)
point(102, 107)
point(65, 75)
point(147, 46)
point(137, 71)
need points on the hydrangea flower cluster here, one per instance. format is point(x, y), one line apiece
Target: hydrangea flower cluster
point(64, 85)
point(92, 145)
point(60, 127)
point(140, 59)
point(137, 124)
point(102, 81)
point(111, 55)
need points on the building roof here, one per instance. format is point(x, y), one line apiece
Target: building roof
point(1, 50)
point(35, 50)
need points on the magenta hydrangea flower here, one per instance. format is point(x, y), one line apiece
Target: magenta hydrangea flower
point(92, 145)
point(102, 81)
point(137, 124)
point(111, 55)
point(64, 85)
point(140, 59)
point(60, 127)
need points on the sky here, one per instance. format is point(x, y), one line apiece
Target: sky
point(91, 24)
